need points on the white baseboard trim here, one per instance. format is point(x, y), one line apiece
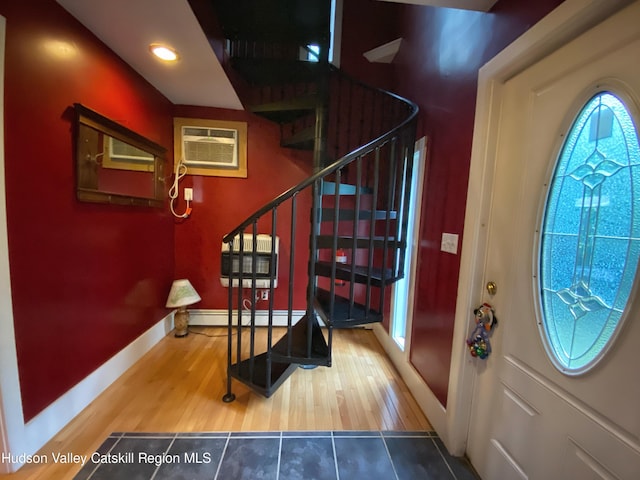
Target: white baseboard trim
point(427, 401)
point(220, 318)
point(50, 421)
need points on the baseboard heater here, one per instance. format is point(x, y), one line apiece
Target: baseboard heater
point(265, 266)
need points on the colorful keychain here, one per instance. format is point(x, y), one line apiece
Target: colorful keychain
point(478, 342)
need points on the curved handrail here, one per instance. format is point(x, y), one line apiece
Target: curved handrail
point(338, 164)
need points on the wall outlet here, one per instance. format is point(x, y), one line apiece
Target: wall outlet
point(449, 243)
point(262, 294)
point(188, 194)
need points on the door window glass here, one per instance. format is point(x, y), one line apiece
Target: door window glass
point(590, 235)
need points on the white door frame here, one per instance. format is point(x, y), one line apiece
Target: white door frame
point(10, 407)
point(4, 443)
point(566, 22)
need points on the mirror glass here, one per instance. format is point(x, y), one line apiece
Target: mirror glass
point(116, 165)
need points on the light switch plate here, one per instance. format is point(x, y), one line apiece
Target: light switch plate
point(449, 243)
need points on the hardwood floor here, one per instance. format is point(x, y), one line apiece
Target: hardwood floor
point(179, 384)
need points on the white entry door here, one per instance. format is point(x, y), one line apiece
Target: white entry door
point(534, 417)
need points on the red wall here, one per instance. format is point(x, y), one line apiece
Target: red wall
point(437, 67)
point(221, 204)
point(86, 279)
point(367, 24)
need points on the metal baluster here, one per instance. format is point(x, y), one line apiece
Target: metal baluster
point(387, 227)
point(239, 295)
point(272, 270)
point(252, 342)
point(229, 396)
point(374, 203)
point(292, 254)
point(354, 243)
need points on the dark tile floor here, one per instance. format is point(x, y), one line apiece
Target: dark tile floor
point(274, 455)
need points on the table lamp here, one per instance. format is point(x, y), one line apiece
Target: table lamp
point(182, 294)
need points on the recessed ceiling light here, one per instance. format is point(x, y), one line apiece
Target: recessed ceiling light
point(163, 52)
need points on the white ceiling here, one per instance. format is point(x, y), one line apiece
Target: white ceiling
point(128, 27)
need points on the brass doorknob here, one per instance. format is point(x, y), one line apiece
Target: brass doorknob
point(491, 288)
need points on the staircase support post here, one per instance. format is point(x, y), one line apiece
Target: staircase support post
point(229, 396)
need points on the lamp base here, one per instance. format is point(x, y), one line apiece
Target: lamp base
point(181, 322)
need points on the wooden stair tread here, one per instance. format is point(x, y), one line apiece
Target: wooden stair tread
point(293, 346)
point(344, 315)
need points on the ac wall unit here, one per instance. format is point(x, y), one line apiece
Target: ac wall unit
point(209, 147)
point(264, 268)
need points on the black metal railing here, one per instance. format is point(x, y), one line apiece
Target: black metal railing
point(358, 209)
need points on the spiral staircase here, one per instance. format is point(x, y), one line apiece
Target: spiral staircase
point(362, 141)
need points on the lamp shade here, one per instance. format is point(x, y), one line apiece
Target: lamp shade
point(182, 294)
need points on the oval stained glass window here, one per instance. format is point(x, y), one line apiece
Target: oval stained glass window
point(590, 240)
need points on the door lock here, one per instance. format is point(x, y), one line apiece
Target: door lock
point(492, 288)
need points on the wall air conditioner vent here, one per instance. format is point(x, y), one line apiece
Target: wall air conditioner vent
point(209, 147)
point(214, 148)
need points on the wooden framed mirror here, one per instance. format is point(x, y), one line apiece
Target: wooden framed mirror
point(116, 165)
